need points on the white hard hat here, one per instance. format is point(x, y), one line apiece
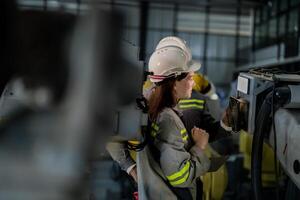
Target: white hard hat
point(170, 61)
point(175, 41)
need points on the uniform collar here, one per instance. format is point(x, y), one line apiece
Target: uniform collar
point(177, 110)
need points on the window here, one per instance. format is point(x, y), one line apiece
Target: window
point(293, 21)
point(282, 21)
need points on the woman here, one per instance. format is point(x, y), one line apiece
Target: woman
point(177, 158)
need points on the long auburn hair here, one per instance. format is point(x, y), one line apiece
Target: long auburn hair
point(163, 96)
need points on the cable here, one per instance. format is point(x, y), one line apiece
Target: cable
point(257, 147)
point(275, 140)
point(281, 96)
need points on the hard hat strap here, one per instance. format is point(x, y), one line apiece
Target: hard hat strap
point(173, 76)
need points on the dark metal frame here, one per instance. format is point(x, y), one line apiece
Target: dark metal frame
point(144, 8)
point(279, 13)
point(237, 38)
point(206, 41)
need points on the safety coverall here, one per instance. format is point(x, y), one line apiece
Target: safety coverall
point(180, 161)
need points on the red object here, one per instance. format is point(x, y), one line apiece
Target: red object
point(136, 195)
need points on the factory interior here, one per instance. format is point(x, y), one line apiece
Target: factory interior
point(92, 105)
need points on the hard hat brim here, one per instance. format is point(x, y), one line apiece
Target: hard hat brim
point(194, 66)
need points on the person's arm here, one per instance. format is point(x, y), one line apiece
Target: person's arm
point(119, 152)
point(180, 167)
point(216, 129)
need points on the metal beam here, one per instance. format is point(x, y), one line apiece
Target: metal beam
point(175, 20)
point(237, 38)
point(204, 3)
point(205, 45)
point(144, 8)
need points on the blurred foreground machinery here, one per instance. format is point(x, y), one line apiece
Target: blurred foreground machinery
point(57, 110)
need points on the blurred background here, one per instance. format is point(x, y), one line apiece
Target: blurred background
point(225, 36)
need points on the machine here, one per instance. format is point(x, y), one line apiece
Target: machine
point(267, 106)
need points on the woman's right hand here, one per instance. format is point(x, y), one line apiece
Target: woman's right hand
point(200, 137)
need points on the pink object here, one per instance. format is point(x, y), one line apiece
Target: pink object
point(136, 195)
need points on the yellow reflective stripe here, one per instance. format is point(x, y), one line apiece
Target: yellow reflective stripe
point(155, 129)
point(191, 106)
point(183, 131)
point(185, 138)
point(191, 101)
point(153, 133)
point(134, 142)
point(184, 134)
point(154, 126)
point(180, 173)
point(180, 181)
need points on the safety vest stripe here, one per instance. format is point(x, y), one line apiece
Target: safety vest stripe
point(154, 126)
point(191, 106)
point(180, 181)
point(183, 131)
point(192, 101)
point(153, 133)
point(134, 142)
point(185, 138)
point(184, 134)
point(180, 173)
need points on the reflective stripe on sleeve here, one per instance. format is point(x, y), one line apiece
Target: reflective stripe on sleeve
point(191, 103)
point(154, 129)
point(154, 126)
point(180, 176)
point(184, 134)
point(191, 106)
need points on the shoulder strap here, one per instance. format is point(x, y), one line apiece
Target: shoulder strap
point(179, 115)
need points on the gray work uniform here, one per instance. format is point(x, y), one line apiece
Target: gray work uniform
point(179, 164)
point(118, 150)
